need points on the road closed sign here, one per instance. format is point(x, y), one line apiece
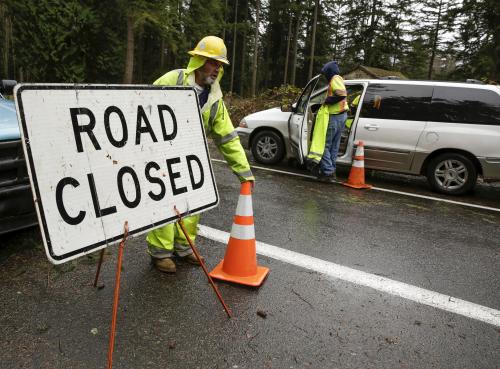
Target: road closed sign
point(101, 155)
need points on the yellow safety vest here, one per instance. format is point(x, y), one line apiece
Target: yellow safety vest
point(336, 87)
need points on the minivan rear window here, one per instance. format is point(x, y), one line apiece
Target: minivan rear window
point(396, 101)
point(465, 105)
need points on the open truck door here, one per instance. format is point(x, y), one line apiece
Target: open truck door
point(301, 121)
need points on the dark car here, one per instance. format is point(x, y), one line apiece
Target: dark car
point(17, 209)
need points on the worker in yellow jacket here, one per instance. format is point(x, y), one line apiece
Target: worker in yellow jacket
point(203, 73)
point(330, 122)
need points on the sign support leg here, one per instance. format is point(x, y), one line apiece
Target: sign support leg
point(101, 257)
point(195, 251)
point(116, 297)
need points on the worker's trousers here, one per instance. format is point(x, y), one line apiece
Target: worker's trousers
point(163, 242)
point(332, 143)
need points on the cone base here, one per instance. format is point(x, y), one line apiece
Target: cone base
point(254, 280)
point(358, 186)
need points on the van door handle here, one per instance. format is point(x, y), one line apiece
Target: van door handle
point(372, 126)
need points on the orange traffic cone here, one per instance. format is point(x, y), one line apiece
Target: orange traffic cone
point(240, 262)
point(357, 174)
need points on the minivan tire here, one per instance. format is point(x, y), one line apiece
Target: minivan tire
point(451, 174)
point(268, 147)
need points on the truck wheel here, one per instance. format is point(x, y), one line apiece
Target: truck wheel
point(451, 174)
point(268, 147)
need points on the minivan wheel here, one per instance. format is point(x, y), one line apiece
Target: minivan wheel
point(452, 174)
point(268, 147)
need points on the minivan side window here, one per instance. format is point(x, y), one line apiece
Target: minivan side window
point(396, 101)
point(465, 105)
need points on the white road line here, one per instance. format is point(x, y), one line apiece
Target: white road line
point(406, 291)
point(380, 189)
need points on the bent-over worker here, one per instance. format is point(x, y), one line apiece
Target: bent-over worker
point(203, 72)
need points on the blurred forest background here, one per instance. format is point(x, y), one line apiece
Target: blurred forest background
point(270, 42)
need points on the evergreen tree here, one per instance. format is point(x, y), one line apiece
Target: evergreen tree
point(52, 39)
point(479, 40)
point(138, 40)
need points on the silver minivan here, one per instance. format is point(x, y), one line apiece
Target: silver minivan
point(448, 132)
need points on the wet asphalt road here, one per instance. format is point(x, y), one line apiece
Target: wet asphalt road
point(51, 317)
point(484, 194)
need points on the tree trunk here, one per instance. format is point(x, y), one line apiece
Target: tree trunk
point(495, 73)
point(6, 48)
point(162, 54)
point(255, 48)
point(397, 41)
point(336, 38)
point(129, 59)
point(5, 56)
point(13, 57)
point(287, 50)
point(224, 28)
point(233, 59)
point(370, 34)
point(140, 56)
point(435, 41)
point(243, 59)
point(313, 40)
point(295, 48)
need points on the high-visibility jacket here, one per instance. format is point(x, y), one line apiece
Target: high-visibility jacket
point(318, 140)
point(215, 116)
point(336, 87)
point(218, 125)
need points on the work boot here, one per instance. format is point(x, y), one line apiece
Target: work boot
point(191, 259)
point(331, 178)
point(165, 265)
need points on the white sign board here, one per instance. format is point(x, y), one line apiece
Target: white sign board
point(100, 155)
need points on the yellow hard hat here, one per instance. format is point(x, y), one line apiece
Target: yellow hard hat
point(211, 47)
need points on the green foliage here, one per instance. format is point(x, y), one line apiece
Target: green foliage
point(51, 39)
point(414, 62)
point(86, 40)
point(106, 44)
point(479, 36)
point(201, 19)
point(239, 107)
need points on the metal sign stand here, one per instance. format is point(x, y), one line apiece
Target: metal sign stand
point(195, 251)
point(116, 293)
point(117, 282)
point(101, 257)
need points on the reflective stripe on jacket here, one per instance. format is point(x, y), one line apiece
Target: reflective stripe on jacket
point(216, 121)
point(319, 134)
point(336, 87)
